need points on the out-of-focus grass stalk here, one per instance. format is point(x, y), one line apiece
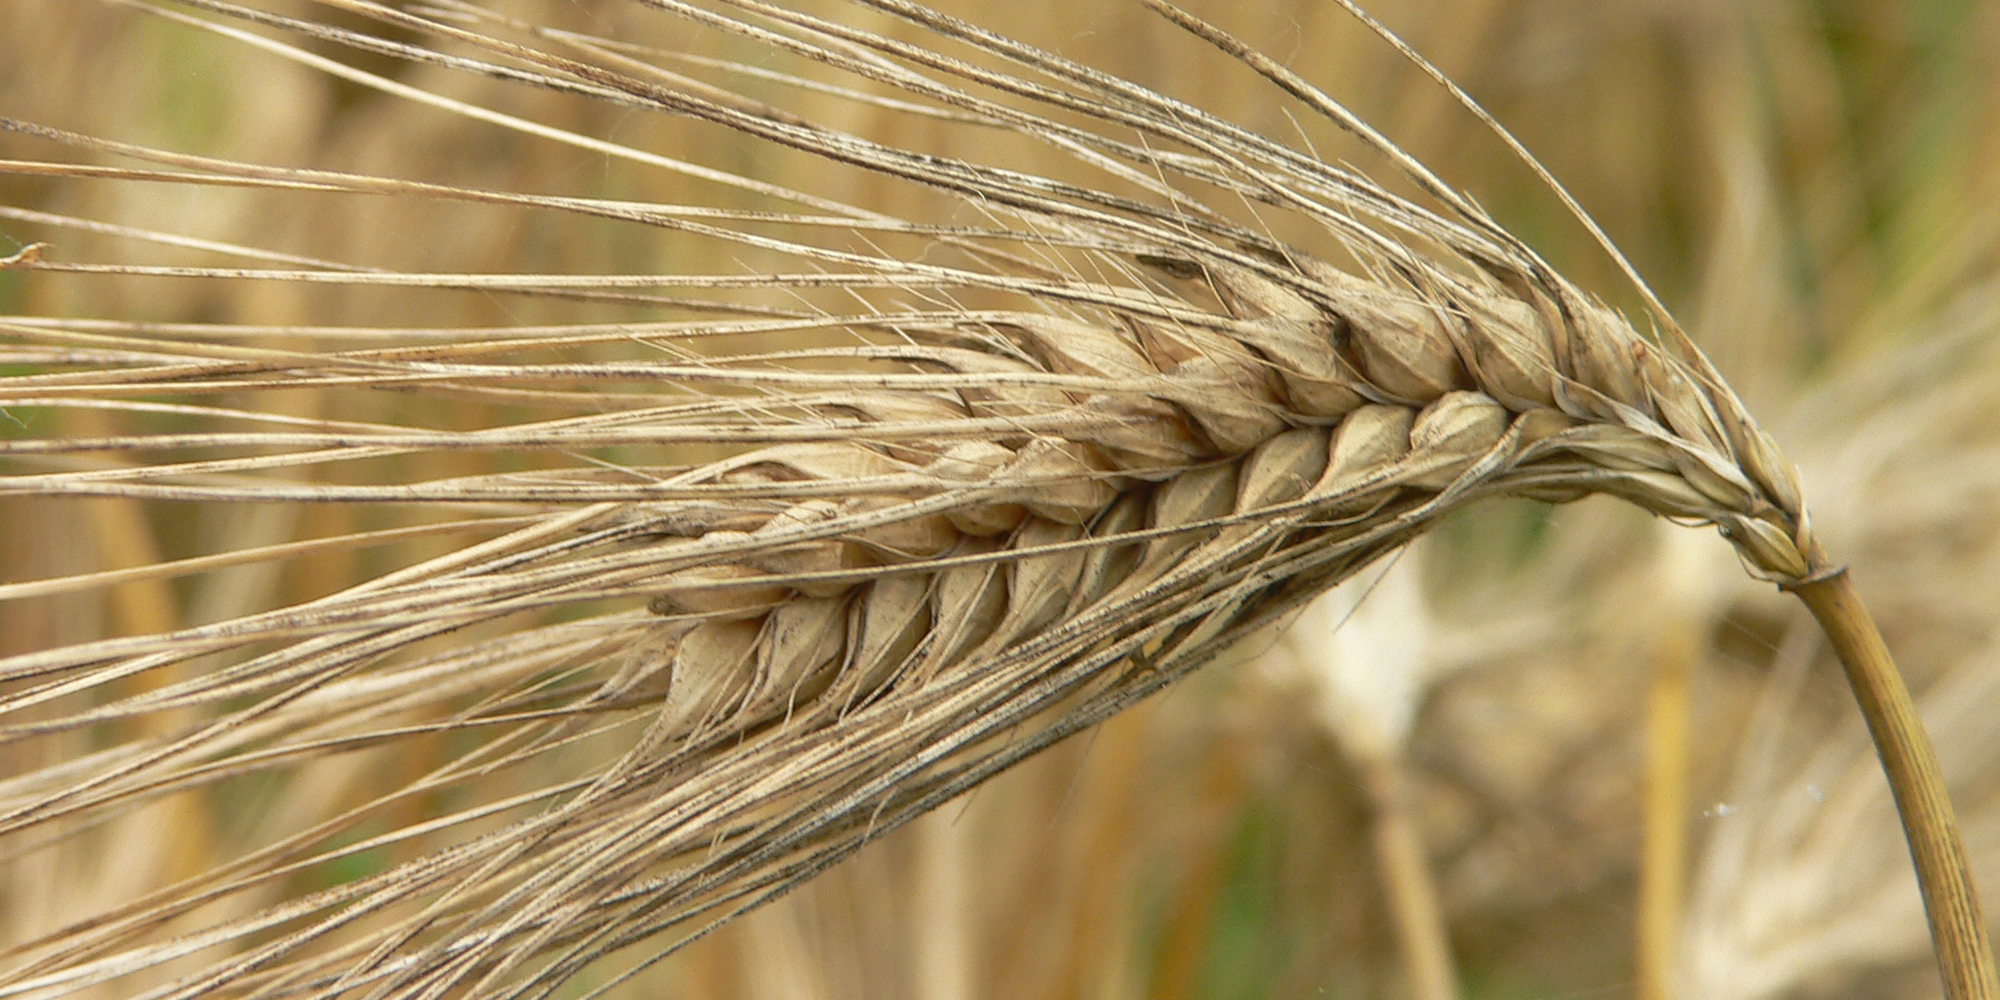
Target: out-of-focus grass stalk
point(145, 606)
point(1663, 856)
point(1365, 648)
point(944, 942)
point(1407, 883)
point(1686, 590)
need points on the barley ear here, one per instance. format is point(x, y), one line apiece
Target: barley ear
point(1959, 936)
point(780, 556)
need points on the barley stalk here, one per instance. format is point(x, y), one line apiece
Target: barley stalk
point(1362, 650)
point(985, 479)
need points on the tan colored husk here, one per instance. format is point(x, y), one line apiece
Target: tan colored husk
point(941, 540)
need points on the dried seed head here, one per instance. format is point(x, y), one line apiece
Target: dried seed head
point(712, 591)
point(1145, 432)
point(1602, 351)
point(1508, 350)
point(803, 643)
point(1202, 494)
point(1062, 480)
point(1233, 404)
point(1296, 336)
point(1068, 347)
point(1405, 345)
point(908, 540)
point(714, 666)
point(1456, 430)
point(1768, 547)
point(822, 556)
point(1283, 468)
point(1039, 587)
point(888, 623)
point(1662, 493)
point(969, 605)
point(1370, 440)
point(1612, 447)
point(976, 464)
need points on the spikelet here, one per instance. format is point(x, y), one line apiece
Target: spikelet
point(987, 477)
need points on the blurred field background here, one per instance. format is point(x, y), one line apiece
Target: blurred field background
point(1813, 187)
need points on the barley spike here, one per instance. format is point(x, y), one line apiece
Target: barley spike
point(817, 543)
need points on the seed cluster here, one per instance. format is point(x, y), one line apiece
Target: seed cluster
point(1330, 424)
point(959, 534)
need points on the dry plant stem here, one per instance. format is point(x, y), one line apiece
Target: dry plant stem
point(1406, 882)
point(1958, 928)
point(1663, 860)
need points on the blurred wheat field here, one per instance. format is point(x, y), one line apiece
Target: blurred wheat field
point(1810, 186)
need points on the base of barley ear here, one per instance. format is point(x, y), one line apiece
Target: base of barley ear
point(1958, 926)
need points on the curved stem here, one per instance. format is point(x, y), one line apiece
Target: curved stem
point(1958, 928)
